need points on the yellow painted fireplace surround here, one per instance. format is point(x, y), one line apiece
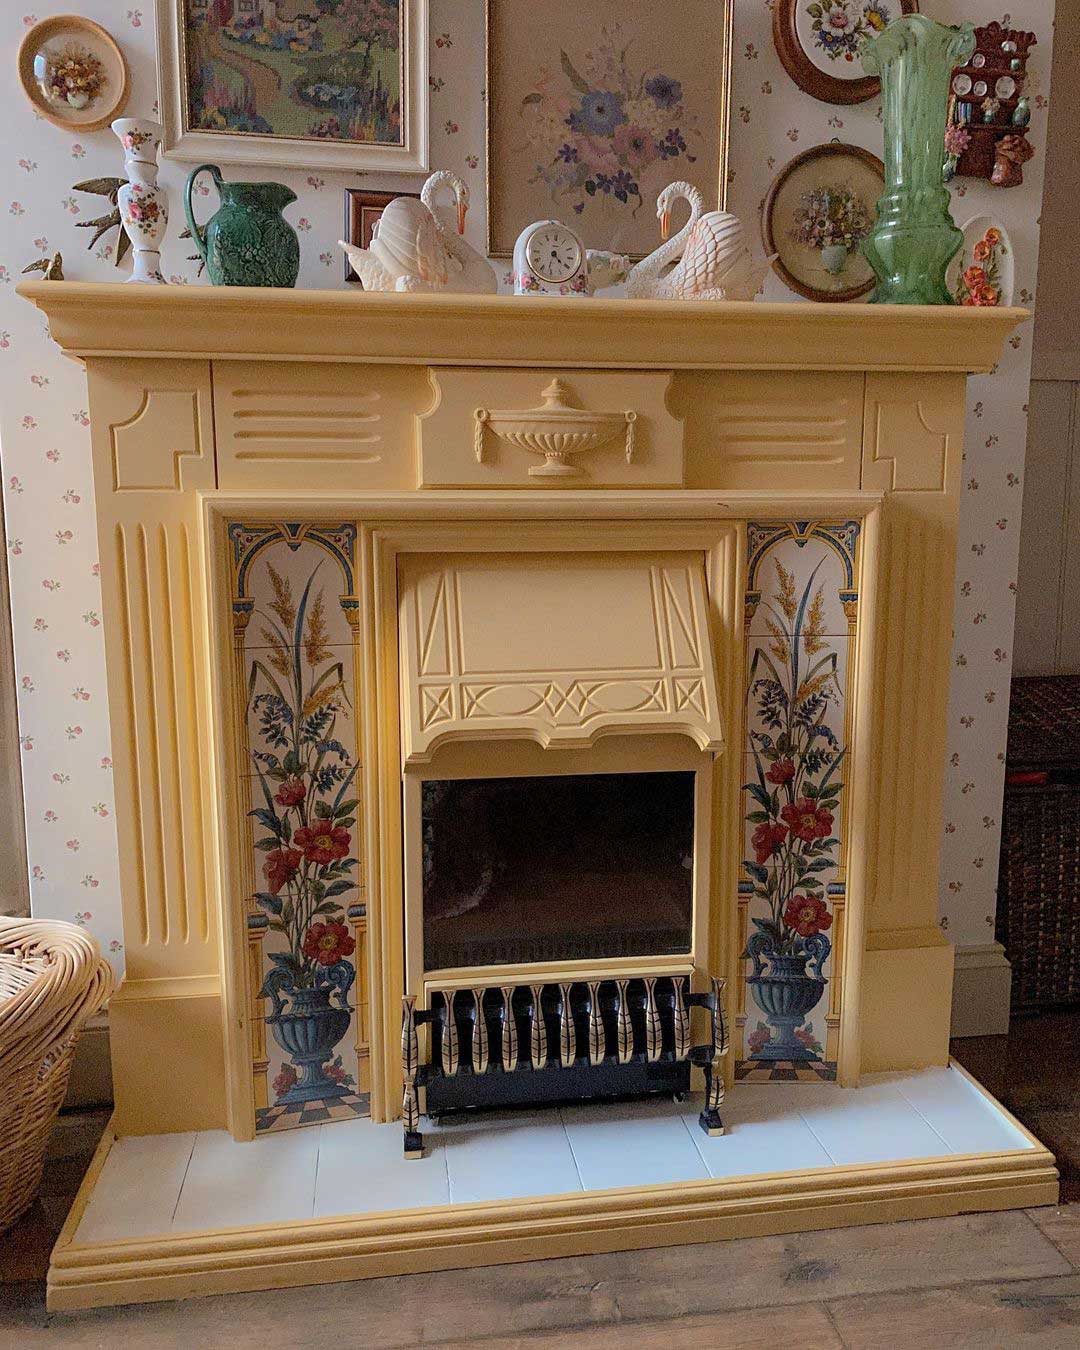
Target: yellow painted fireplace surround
point(433, 425)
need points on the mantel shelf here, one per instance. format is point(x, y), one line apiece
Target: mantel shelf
point(93, 319)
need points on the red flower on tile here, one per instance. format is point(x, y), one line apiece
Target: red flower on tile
point(291, 792)
point(807, 915)
point(280, 867)
point(783, 771)
point(321, 842)
point(767, 839)
point(806, 820)
point(285, 1081)
point(328, 943)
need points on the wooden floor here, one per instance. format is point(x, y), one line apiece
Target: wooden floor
point(985, 1281)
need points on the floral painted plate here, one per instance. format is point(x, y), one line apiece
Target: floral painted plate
point(983, 272)
point(73, 73)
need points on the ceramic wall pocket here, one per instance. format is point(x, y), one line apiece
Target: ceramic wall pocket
point(73, 73)
point(247, 242)
point(819, 43)
point(816, 216)
point(709, 258)
point(142, 204)
point(986, 135)
point(983, 273)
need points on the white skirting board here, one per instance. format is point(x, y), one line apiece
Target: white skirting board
point(167, 1216)
point(982, 989)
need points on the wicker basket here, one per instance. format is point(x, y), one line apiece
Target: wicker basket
point(1038, 915)
point(52, 978)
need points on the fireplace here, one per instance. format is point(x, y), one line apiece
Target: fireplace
point(582, 867)
point(499, 656)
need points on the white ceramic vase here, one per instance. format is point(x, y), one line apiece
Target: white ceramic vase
point(144, 206)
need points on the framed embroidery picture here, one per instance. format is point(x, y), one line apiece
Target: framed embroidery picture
point(592, 110)
point(326, 84)
point(819, 43)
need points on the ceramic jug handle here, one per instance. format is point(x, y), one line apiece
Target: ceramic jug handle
point(198, 232)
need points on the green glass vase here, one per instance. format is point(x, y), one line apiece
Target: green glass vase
point(914, 236)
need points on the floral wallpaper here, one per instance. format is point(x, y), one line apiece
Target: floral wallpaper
point(44, 423)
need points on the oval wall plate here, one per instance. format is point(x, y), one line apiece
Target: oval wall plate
point(983, 273)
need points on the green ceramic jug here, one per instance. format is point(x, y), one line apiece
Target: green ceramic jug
point(247, 242)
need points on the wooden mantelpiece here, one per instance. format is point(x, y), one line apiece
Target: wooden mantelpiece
point(86, 319)
point(361, 418)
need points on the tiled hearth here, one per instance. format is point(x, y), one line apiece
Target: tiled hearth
point(173, 1183)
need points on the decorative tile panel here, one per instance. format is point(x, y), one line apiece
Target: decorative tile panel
point(801, 611)
point(304, 909)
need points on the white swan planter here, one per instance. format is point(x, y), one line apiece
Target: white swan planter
point(708, 259)
point(411, 250)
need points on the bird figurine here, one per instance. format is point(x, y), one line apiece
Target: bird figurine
point(51, 269)
point(104, 187)
point(473, 273)
point(708, 259)
point(407, 251)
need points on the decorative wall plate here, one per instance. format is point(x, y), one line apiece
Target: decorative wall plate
point(819, 210)
point(983, 273)
point(819, 41)
point(73, 73)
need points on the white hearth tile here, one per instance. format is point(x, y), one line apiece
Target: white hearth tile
point(138, 1189)
point(957, 1110)
point(269, 1180)
point(362, 1170)
point(632, 1144)
point(869, 1124)
point(765, 1132)
point(519, 1154)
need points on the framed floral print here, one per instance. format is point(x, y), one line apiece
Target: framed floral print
point(819, 44)
point(818, 211)
point(329, 84)
point(592, 110)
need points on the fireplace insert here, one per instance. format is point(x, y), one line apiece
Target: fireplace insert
point(575, 867)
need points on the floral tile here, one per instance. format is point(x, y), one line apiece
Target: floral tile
point(304, 804)
point(793, 785)
point(818, 680)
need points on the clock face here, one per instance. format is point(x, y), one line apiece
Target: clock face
point(553, 254)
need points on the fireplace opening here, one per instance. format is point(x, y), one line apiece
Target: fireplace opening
point(576, 867)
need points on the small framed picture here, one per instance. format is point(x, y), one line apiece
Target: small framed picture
point(819, 210)
point(362, 210)
point(593, 109)
point(819, 43)
point(334, 84)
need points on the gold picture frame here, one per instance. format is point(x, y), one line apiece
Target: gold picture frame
point(617, 148)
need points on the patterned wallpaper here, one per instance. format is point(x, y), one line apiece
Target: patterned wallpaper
point(44, 433)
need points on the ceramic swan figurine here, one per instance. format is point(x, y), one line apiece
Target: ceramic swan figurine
point(713, 258)
point(645, 277)
point(473, 273)
point(407, 251)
